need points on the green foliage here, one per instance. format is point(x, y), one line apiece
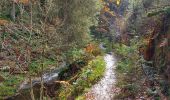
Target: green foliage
point(108, 45)
point(130, 51)
point(133, 88)
point(47, 27)
point(89, 75)
point(64, 92)
point(81, 97)
point(74, 54)
point(9, 86)
point(124, 66)
point(36, 66)
point(94, 70)
point(127, 67)
point(6, 91)
point(165, 10)
point(128, 55)
point(154, 13)
point(76, 17)
point(122, 49)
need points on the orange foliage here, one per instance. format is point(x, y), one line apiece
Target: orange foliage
point(3, 22)
point(101, 0)
point(90, 48)
point(107, 9)
point(22, 1)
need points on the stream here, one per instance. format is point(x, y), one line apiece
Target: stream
point(105, 89)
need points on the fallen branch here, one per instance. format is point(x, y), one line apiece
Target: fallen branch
point(63, 82)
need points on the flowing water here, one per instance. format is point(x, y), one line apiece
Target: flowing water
point(104, 89)
point(47, 77)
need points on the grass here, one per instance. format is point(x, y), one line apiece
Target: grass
point(9, 86)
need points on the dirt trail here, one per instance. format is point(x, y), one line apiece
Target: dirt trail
point(105, 89)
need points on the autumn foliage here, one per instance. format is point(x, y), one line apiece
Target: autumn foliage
point(3, 22)
point(90, 48)
point(21, 1)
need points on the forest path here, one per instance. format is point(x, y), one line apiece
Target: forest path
point(105, 88)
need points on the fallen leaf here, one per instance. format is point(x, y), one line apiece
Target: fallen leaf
point(3, 22)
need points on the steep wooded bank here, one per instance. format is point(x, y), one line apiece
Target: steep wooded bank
point(152, 27)
point(157, 51)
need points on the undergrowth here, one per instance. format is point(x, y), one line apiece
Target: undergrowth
point(128, 70)
point(11, 82)
point(88, 76)
point(9, 86)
